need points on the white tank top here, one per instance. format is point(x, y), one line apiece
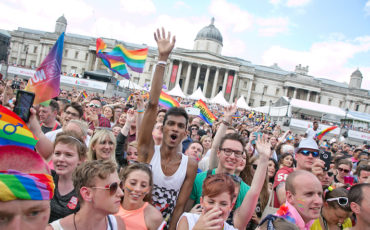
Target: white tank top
point(166, 188)
point(111, 219)
point(193, 218)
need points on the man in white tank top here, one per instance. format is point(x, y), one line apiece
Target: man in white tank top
point(173, 172)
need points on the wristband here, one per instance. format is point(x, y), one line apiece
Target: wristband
point(140, 111)
point(162, 63)
point(225, 123)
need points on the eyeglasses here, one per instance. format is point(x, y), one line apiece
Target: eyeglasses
point(93, 105)
point(111, 187)
point(307, 153)
point(343, 201)
point(228, 152)
point(343, 170)
point(70, 113)
point(330, 174)
point(194, 128)
point(254, 166)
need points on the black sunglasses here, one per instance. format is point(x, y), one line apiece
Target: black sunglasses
point(254, 166)
point(343, 170)
point(111, 187)
point(307, 153)
point(330, 174)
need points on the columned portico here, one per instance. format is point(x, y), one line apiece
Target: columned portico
point(206, 80)
point(178, 73)
point(187, 79)
point(196, 79)
point(215, 81)
point(225, 82)
point(233, 88)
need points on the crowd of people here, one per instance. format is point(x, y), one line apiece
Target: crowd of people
point(112, 163)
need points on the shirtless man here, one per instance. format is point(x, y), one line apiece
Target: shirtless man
point(173, 172)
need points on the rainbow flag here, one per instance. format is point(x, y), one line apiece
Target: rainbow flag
point(236, 115)
point(129, 97)
point(116, 59)
point(84, 94)
point(322, 133)
point(14, 131)
point(167, 101)
point(205, 113)
point(45, 83)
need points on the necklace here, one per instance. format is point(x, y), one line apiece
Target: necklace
point(74, 221)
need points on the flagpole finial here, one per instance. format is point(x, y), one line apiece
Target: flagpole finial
point(212, 20)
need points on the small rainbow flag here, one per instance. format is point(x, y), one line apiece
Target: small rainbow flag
point(129, 98)
point(14, 131)
point(84, 94)
point(205, 113)
point(236, 115)
point(322, 133)
point(116, 59)
point(167, 101)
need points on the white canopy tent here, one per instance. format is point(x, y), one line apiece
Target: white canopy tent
point(198, 94)
point(129, 84)
point(241, 103)
point(219, 99)
point(176, 91)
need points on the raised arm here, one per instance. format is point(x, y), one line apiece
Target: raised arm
point(145, 139)
point(244, 213)
point(140, 112)
point(226, 121)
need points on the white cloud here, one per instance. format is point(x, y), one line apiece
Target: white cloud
point(329, 59)
point(367, 7)
point(275, 2)
point(142, 7)
point(230, 15)
point(181, 5)
point(272, 26)
point(290, 3)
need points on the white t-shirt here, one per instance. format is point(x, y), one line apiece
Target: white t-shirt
point(311, 133)
point(192, 219)
point(53, 134)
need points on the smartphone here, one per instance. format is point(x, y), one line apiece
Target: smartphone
point(326, 157)
point(258, 135)
point(23, 104)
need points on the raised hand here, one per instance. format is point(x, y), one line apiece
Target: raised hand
point(230, 110)
point(165, 45)
point(130, 116)
point(263, 147)
point(209, 220)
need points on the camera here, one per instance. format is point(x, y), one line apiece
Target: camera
point(16, 84)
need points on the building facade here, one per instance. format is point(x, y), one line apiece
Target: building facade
point(203, 66)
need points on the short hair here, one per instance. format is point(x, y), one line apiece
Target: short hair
point(81, 124)
point(161, 111)
point(138, 166)
point(204, 137)
point(356, 193)
point(338, 192)
point(217, 184)
point(77, 107)
point(278, 223)
point(289, 183)
point(315, 122)
point(85, 174)
point(99, 136)
point(361, 168)
point(54, 105)
point(234, 137)
point(176, 111)
point(72, 138)
point(195, 142)
point(344, 162)
point(285, 148)
point(193, 125)
point(96, 99)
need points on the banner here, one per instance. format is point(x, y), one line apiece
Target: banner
point(174, 73)
point(230, 80)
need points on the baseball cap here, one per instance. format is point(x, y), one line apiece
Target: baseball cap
point(307, 143)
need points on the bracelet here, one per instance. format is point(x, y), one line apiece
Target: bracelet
point(225, 123)
point(162, 63)
point(140, 111)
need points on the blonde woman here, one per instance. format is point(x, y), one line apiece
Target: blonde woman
point(102, 146)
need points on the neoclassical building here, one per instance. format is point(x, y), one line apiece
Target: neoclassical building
point(203, 66)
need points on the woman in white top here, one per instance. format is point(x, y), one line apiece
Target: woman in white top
point(217, 201)
point(99, 192)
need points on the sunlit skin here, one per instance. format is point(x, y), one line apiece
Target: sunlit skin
point(108, 112)
point(46, 114)
point(364, 175)
point(325, 179)
point(69, 114)
point(131, 153)
point(207, 143)
point(334, 215)
point(221, 202)
point(174, 131)
point(116, 130)
point(288, 161)
point(160, 117)
point(65, 159)
point(271, 169)
point(229, 163)
point(242, 164)
point(122, 119)
point(104, 149)
point(341, 174)
point(136, 187)
point(194, 151)
point(157, 133)
point(305, 162)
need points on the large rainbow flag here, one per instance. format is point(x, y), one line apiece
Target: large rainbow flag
point(205, 113)
point(45, 83)
point(14, 131)
point(116, 59)
point(323, 132)
point(167, 101)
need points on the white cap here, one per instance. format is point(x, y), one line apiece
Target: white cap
point(307, 143)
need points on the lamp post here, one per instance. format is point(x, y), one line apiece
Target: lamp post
point(270, 103)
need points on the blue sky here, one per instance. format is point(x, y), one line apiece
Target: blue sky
point(332, 37)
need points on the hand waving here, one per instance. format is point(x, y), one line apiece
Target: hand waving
point(164, 43)
point(263, 147)
point(230, 110)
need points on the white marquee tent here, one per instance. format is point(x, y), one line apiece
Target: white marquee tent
point(241, 103)
point(219, 99)
point(176, 91)
point(129, 84)
point(198, 94)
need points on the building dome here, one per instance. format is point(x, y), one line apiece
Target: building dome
point(62, 19)
point(210, 32)
point(356, 79)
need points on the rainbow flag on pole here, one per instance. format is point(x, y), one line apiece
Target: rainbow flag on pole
point(84, 94)
point(322, 133)
point(205, 113)
point(117, 59)
point(167, 101)
point(45, 83)
point(14, 131)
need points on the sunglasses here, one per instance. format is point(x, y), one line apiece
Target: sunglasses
point(254, 166)
point(343, 170)
point(343, 201)
point(111, 187)
point(307, 153)
point(93, 105)
point(330, 174)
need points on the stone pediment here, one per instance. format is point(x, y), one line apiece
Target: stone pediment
point(205, 56)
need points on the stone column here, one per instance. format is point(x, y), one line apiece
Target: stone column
point(196, 79)
point(295, 93)
point(19, 53)
point(233, 88)
point(187, 79)
point(178, 73)
point(215, 80)
point(168, 77)
point(206, 81)
point(96, 63)
point(225, 82)
point(317, 98)
point(308, 95)
point(286, 91)
point(39, 55)
point(249, 91)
